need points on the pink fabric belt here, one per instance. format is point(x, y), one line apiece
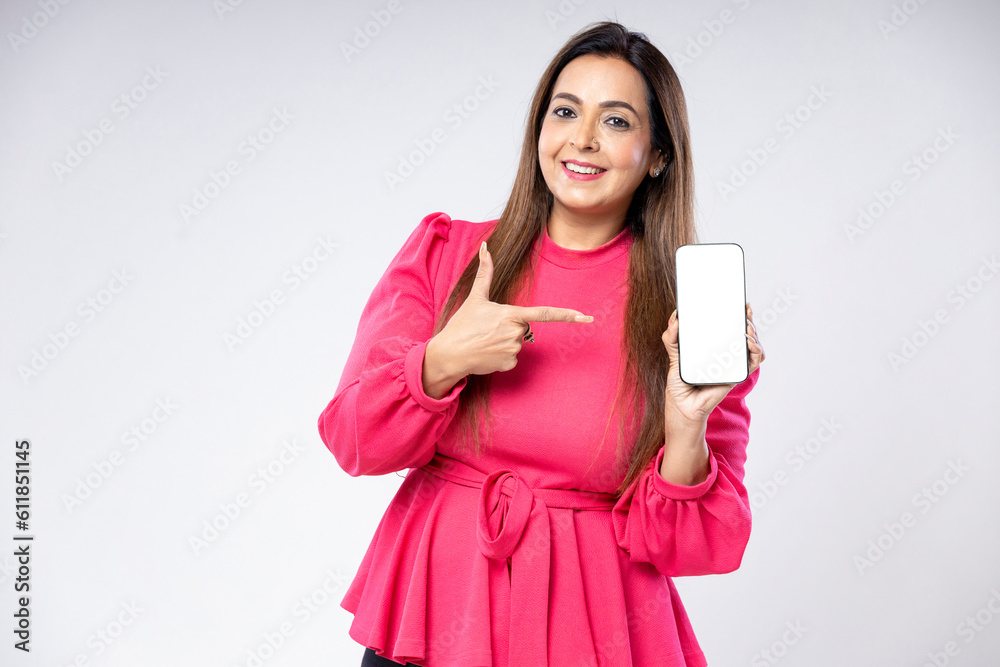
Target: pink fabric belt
point(525, 537)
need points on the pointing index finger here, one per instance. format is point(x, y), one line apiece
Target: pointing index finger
point(548, 314)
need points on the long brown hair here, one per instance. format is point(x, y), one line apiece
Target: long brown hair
point(660, 218)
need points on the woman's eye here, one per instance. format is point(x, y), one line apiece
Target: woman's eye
point(616, 122)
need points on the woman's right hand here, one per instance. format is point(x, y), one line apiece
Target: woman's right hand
point(483, 337)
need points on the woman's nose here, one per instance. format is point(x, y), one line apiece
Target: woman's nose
point(583, 137)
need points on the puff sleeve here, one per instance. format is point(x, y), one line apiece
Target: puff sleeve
point(699, 529)
point(380, 420)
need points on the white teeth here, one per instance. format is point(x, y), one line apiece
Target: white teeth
point(582, 170)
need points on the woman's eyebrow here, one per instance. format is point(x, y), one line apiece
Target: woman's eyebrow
point(604, 105)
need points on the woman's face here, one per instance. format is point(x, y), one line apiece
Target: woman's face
point(599, 98)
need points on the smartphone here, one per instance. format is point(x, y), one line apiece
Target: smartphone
point(711, 313)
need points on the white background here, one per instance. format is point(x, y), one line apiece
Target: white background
point(832, 306)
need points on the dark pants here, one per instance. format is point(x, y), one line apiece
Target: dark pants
point(370, 659)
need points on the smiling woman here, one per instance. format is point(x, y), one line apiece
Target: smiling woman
point(594, 148)
point(525, 533)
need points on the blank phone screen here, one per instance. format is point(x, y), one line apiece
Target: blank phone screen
point(711, 313)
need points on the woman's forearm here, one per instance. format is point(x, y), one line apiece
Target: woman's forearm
point(685, 455)
point(440, 373)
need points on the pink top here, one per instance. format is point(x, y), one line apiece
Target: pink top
point(523, 557)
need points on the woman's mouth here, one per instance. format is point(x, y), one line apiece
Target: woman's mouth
point(580, 173)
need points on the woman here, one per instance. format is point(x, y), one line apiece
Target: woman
point(522, 536)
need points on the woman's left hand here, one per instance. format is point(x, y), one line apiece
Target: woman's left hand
point(694, 403)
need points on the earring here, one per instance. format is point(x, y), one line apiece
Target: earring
point(656, 172)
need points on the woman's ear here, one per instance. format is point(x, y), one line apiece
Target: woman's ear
point(659, 164)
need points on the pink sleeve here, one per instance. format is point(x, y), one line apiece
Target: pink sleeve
point(699, 529)
point(380, 420)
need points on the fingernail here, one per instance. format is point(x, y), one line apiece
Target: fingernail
point(482, 250)
point(584, 318)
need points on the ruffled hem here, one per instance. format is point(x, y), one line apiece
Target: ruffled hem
point(426, 594)
point(423, 551)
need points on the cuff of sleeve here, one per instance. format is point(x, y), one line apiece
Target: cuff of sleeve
point(681, 491)
point(413, 373)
